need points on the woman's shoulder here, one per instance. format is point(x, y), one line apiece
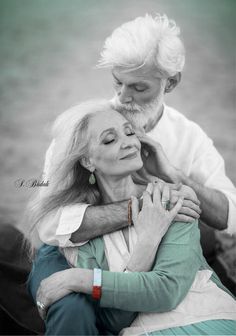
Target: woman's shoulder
point(182, 233)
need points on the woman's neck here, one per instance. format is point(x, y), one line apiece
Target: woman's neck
point(117, 189)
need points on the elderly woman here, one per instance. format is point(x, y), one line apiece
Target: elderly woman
point(152, 274)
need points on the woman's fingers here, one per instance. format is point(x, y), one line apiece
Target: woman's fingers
point(147, 200)
point(156, 194)
point(165, 197)
point(42, 303)
point(150, 188)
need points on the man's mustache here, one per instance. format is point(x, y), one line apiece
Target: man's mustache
point(131, 107)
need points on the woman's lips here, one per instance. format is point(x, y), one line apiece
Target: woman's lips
point(130, 156)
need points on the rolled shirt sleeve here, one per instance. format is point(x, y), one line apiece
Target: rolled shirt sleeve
point(178, 259)
point(58, 225)
point(209, 168)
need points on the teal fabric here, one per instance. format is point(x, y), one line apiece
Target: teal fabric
point(74, 314)
point(178, 259)
point(213, 327)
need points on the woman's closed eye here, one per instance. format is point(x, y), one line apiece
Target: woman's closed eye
point(109, 139)
point(129, 131)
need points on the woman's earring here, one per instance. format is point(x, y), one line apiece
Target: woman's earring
point(92, 179)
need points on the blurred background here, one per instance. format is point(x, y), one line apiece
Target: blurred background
point(49, 49)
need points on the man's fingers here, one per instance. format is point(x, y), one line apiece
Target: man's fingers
point(144, 139)
point(188, 203)
point(189, 212)
point(175, 186)
point(184, 219)
point(135, 208)
point(192, 205)
point(174, 211)
point(192, 198)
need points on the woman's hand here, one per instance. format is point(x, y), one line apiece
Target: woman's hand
point(151, 224)
point(60, 284)
point(154, 219)
point(52, 289)
point(155, 160)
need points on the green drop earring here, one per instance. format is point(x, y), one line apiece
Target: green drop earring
point(92, 179)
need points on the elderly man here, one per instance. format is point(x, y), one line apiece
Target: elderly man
point(146, 57)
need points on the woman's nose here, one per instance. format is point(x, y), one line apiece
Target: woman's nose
point(125, 95)
point(126, 142)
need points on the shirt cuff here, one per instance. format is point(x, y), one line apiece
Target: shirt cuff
point(71, 219)
point(231, 225)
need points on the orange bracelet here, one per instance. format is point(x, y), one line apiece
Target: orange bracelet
point(129, 212)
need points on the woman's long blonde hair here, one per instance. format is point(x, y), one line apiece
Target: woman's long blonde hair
point(68, 179)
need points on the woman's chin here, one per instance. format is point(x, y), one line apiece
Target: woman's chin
point(136, 166)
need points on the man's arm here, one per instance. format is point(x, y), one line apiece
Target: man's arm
point(100, 220)
point(214, 204)
point(103, 219)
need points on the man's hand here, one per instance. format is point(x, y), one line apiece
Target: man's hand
point(155, 160)
point(190, 210)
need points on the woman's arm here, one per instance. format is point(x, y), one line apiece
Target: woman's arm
point(178, 259)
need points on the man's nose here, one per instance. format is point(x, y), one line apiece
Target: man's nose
point(125, 95)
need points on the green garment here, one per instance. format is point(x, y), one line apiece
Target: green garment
point(177, 261)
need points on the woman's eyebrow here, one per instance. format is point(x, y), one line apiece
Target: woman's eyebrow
point(112, 129)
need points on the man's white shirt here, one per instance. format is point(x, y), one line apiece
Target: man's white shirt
point(186, 146)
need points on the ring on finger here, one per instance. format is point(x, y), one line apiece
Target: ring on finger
point(166, 204)
point(41, 305)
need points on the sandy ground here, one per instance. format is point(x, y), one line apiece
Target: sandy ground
point(48, 52)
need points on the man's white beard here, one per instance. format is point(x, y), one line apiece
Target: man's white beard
point(140, 116)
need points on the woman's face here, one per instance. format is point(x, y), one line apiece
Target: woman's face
point(114, 149)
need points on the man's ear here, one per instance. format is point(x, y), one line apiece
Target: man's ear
point(86, 163)
point(172, 82)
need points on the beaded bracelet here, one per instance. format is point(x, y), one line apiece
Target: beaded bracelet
point(129, 212)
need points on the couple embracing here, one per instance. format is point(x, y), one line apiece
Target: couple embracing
point(128, 181)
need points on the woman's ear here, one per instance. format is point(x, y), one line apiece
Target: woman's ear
point(86, 163)
point(172, 82)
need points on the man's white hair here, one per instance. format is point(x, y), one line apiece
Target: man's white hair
point(145, 41)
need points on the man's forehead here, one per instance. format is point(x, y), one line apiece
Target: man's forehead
point(144, 73)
